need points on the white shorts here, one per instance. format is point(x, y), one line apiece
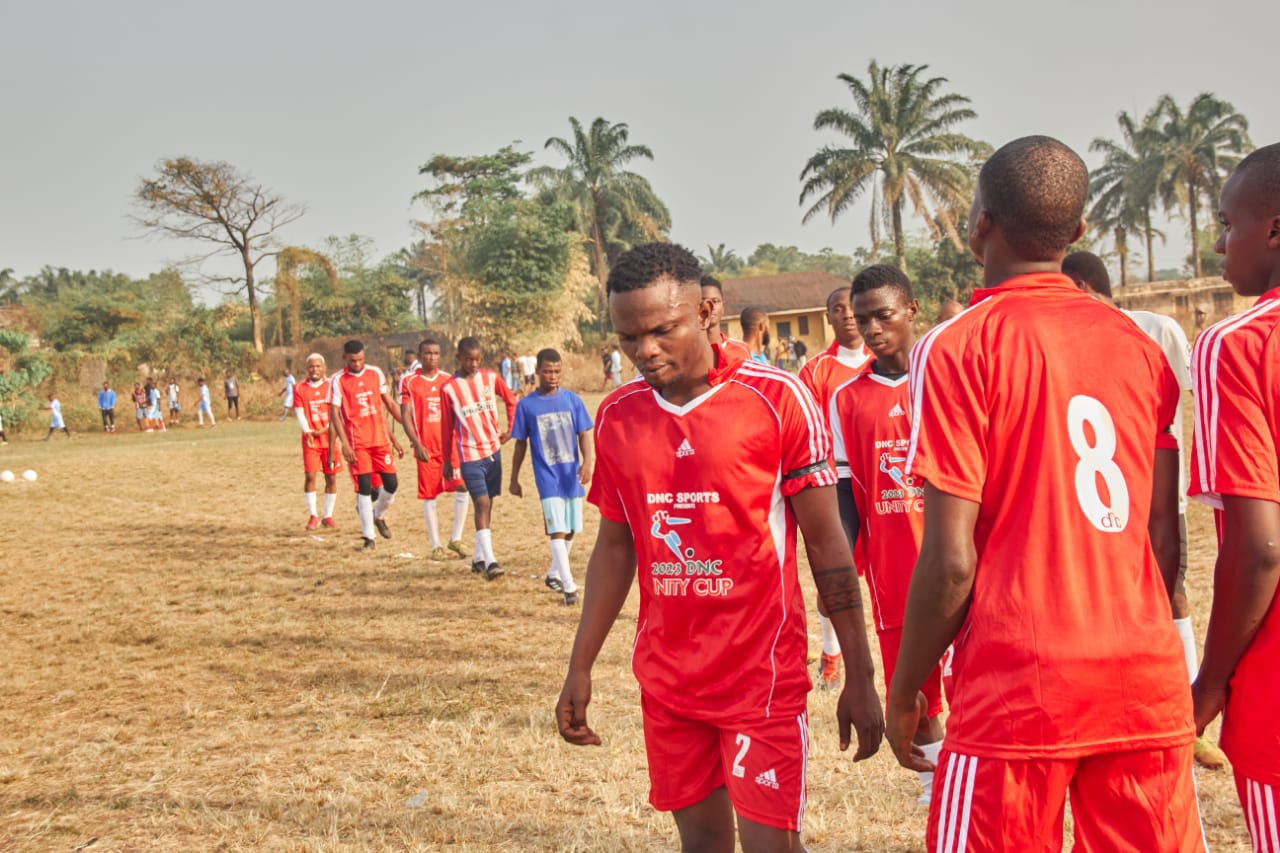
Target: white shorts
point(562, 515)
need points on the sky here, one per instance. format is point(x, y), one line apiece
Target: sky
point(336, 105)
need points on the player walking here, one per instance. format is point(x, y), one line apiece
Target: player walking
point(1050, 546)
point(107, 407)
point(735, 454)
point(311, 405)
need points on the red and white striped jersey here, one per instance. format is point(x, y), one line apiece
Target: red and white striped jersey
point(471, 411)
point(1235, 375)
point(703, 489)
point(359, 395)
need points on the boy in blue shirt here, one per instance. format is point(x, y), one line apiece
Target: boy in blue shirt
point(554, 422)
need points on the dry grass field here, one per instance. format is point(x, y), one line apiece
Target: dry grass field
point(183, 667)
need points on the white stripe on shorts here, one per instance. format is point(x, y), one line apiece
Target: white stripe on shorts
point(1260, 814)
point(957, 802)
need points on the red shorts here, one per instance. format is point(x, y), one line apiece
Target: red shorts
point(932, 689)
point(317, 458)
point(1139, 800)
point(760, 762)
point(431, 482)
point(371, 460)
point(1260, 802)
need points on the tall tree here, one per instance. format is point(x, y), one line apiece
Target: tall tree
point(721, 261)
point(1123, 189)
point(612, 206)
point(1198, 149)
point(901, 148)
point(217, 205)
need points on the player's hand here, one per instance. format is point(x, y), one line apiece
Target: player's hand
point(901, 723)
point(420, 453)
point(858, 708)
point(584, 474)
point(310, 439)
point(514, 488)
point(398, 449)
point(571, 711)
point(447, 471)
point(349, 455)
point(1207, 703)
point(505, 437)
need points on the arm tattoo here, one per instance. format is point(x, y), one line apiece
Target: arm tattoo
point(838, 588)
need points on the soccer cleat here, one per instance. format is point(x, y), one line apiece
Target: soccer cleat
point(329, 522)
point(493, 570)
point(456, 547)
point(383, 530)
point(570, 599)
point(439, 555)
point(477, 567)
point(553, 584)
point(313, 523)
point(368, 544)
point(1209, 756)
point(829, 671)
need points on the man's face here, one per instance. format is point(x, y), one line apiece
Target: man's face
point(662, 330)
point(549, 376)
point(1250, 239)
point(840, 316)
point(354, 361)
point(884, 319)
point(429, 356)
point(315, 370)
point(716, 299)
point(468, 362)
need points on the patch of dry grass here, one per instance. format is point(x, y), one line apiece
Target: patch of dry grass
point(184, 668)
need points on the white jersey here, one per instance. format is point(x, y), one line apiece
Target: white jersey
point(1166, 332)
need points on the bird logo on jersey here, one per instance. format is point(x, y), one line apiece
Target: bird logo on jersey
point(686, 574)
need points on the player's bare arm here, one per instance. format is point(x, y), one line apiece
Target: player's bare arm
point(1244, 586)
point(587, 445)
point(517, 459)
point(406, 417)
point(393, 409)
point(509, 399)
point(937, 602)
point(1162, 526)
point(339, 425)
point(610, 573)
point(446, 437)
point(829, 559)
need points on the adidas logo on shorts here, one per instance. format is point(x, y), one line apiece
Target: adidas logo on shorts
point(768, 778)
point(685, 449)
point(897, 411)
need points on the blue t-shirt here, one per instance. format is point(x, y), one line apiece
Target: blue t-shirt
point(551, 423)
point(107, 398)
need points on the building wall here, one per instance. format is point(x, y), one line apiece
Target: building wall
point(1195, 303)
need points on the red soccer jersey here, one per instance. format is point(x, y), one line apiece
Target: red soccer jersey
point(313, 400)
point(702, 486)
point(1235, 372)
point(734, 347)
point(422, 393)
point(359, 395)
point(471, 406)
point(1068, 648)
point(873, 424)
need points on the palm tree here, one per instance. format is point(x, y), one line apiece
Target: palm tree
point(613, 207)
point(1123, 188)
point(720, 260)
point(901, 148)
point(1198, 149)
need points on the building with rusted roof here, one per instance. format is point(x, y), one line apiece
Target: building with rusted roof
point(796, 302)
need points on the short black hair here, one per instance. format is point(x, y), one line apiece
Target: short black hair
point(1263, 168)
point(641, 266)
point(352, 347)
point(1088, 268)
point(877, 276)
point(833, 294)
point(711, 281)
point(469, 344)
point(751, 315)
point(1034, 190)
point(548, 354)
point(427, 342)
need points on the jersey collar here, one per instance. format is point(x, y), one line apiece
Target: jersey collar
point(728, 360)
point(1040, 281)
point(1273, 293)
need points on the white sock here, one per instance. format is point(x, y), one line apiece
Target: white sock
point(330, 498)
point(568, 544)
point(384, 503)
point(484, 546)
point(433, 522)
point(460, 501)
point(930, 751)
point(560, 565)
point(311, 501)
point(1188, 638)
point(364, 509)
point(830, 644)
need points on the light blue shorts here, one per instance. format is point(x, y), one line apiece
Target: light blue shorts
point(562, 515)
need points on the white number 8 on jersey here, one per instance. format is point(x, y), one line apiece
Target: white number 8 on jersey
point(1097, 460)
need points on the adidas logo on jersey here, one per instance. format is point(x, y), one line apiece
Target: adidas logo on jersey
point(897, 411)
point(768, 778)
point(685, 449)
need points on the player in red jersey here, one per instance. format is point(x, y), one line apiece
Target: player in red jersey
point(870, 419)
point(470, 418)
point(359, 393)
point(713, 292)
point(311, 405)
point(1235, 468)
point(702, 473)
point(420, 411)
point(1050, 546)
point(822, 375)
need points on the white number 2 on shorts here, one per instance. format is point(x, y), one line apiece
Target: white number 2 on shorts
point(1097, 460)
point(745, 743)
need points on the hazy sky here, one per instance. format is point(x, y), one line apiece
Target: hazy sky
point(335, 105)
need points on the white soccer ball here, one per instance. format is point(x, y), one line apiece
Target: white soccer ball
point(29, 475)
point(6, 476)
